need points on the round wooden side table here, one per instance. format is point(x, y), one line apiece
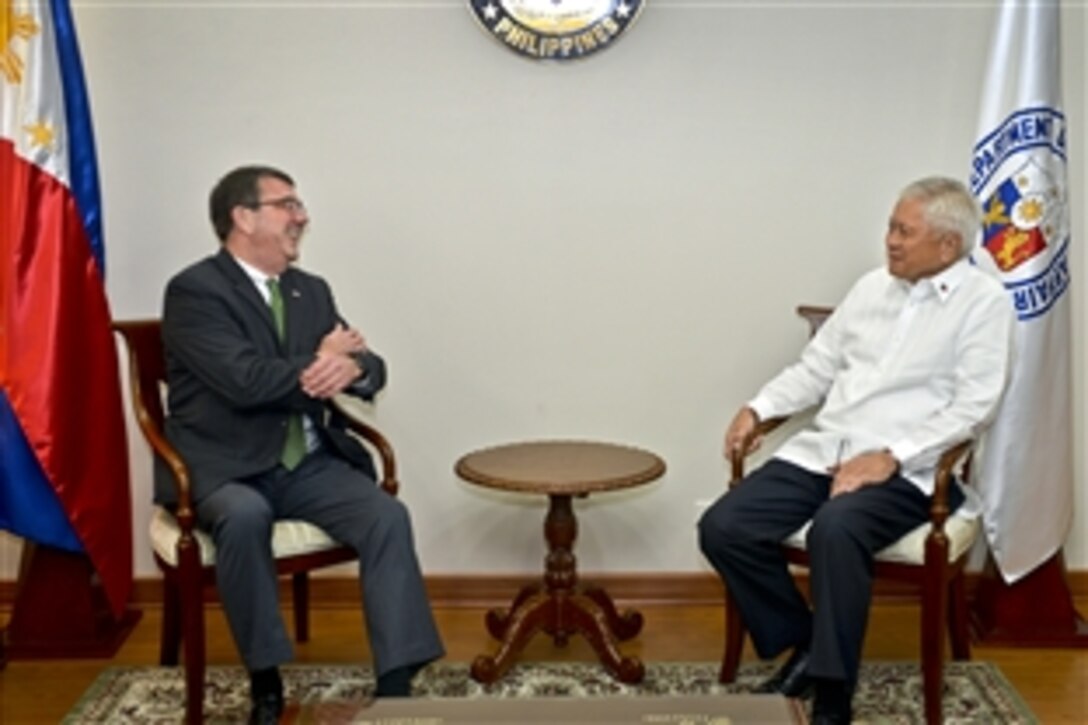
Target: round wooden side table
point(559, 604)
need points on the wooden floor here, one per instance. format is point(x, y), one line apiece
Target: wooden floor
point(1053, 682)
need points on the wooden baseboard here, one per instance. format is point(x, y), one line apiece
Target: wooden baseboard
point(476, 590)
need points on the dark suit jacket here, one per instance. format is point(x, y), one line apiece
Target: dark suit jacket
point(233, 385)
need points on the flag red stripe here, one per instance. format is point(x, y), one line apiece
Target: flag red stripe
point(58, 364)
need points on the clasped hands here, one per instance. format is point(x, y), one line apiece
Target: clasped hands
point(864, 469)
point(334, 368)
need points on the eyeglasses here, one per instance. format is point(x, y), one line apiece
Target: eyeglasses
point(289, 204)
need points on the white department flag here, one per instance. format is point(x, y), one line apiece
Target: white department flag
point(1018, 174)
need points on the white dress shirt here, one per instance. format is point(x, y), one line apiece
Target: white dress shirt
point(912, 368)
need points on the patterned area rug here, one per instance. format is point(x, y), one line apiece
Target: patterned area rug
point(975, 692)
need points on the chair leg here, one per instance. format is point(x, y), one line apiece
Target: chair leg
point(933, 609)
point(192, 606)
point(170, 636)
point(734, 640)
point(957, 619)
point(300, 586)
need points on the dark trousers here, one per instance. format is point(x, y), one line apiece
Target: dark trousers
point(741, 533)
point(347, 505)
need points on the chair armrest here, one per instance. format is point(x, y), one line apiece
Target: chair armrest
point(736, 457)
point(135, 333)
point(370, 434)
point(163, 449)
point(944, 478)
point(815, 316)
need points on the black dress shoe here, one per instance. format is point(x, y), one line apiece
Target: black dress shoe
point(791, 680)
point(832, 704)
point(825, 719)
point(267, 709)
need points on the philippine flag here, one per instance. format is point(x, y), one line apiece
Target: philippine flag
point(63, 455)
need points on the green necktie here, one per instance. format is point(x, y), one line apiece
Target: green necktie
point(294, 449)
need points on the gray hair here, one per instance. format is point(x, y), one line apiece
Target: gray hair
point(949, 207)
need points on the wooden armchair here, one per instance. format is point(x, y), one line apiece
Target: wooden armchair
point(931, 559)
point(186, 555)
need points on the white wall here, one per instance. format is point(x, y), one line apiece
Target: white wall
point(608, 249)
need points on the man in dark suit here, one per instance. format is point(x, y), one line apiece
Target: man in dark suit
point(255, 349)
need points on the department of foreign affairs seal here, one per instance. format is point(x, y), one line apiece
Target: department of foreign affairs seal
point(556, 29)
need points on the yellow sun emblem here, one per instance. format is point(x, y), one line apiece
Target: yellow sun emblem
point(41, 134)
point(1031, 210)
point(13, 25)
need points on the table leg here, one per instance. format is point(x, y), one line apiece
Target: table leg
point(523, 622)
point(592, 622)
point(625, 625)
point(498, 620)
point(561, 607)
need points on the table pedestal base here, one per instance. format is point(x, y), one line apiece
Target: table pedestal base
point(561, 607)
point(588, 611)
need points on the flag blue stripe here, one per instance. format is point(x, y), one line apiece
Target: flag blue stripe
point(29, 506)
point(81, 150)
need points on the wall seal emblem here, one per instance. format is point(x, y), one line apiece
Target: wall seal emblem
point(556, 29)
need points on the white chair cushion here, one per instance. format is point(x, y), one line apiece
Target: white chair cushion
point(911, 548)
point(289, 538)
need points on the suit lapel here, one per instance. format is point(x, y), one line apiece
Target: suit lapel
point(293, 308)
point(245, 288)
